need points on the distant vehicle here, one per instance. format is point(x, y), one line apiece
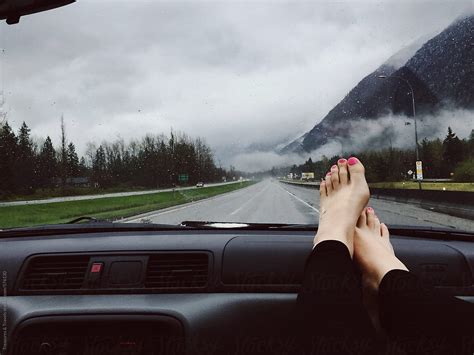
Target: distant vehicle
point(200, 184)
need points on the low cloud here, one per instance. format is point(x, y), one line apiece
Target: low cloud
point(397, 131)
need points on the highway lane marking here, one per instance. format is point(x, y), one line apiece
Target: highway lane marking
point(173, 209)
point(248, 201)
point(179, 208)
point(302, 201)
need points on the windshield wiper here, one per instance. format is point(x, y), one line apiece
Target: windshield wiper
point(86, 218)
point(94, 227)
point(249, 226)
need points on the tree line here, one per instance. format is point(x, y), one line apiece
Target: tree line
point(154, 161)
point(450, 157)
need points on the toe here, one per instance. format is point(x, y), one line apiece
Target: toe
point(386, 235)
point(362, 221)
point(343, 173)
point(322, 191)
point(335, 176)
point(370, 217)
point(356, 169)
point(328, 183)
point(377, 224)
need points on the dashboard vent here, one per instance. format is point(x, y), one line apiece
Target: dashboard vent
point(177, 270)
point(59, 272)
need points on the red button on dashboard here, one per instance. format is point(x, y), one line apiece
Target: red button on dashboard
point(96, 267)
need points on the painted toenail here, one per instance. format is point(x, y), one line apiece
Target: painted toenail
point(328, 174)
point(352, 161)
point(334, 167)
point(341, 161)
point(370, 209)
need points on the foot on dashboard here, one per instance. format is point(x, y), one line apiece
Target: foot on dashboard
point(373, 251)
point(343, 195)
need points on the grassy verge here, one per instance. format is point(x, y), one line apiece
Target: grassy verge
point(448, 186)
point(105, 208)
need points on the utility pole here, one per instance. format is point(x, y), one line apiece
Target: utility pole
point(414, 118)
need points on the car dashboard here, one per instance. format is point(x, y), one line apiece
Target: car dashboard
point(178, 291)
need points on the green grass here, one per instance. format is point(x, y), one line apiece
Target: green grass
point(105, 208)
point(448, 186)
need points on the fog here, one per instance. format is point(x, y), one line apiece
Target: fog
point(395, 131)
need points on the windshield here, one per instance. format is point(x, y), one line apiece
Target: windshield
point(163, 112)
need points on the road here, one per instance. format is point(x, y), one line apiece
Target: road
point(270, 201)
point(93, 197)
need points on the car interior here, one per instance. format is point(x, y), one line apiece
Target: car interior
point(103, 288)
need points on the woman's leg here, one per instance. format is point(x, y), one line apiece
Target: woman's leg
point(330, 301)
point(416, 318)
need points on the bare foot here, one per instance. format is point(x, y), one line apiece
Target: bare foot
point(374, 254)
point(343, 195)
point(373, 251)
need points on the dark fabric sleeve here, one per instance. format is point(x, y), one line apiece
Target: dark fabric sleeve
point(330, 302)
point(411, 309)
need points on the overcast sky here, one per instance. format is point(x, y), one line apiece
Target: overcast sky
point(248, 74)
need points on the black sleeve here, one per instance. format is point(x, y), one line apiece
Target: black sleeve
point(410, 308)
point(331, 292)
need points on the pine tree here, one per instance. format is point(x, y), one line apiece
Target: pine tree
point(8, 151)
point(63, 168)
point(72, 161)
point(453, 152)
point(470, 144)
point(25, 161)
point(48, 164)
point(100, 167)
point(82, 167)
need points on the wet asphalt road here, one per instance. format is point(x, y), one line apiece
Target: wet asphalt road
point(270, 201)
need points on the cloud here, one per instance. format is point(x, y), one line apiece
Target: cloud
point(245, 76)
point(395, 131)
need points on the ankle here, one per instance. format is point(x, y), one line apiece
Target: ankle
point(345, 238)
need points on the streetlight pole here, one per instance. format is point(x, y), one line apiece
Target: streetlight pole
point(414, 115)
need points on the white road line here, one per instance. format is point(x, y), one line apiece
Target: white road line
point(179, 208)
point(173, 209)
point(303, 202)
point(248, 201)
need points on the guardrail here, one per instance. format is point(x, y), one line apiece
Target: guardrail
point(310, 184)
point(456, 203)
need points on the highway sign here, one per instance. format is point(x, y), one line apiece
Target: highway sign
point(419, 170)
point(183, 177)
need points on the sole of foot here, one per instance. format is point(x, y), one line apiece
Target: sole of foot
point(343, 195)
point(373, 251)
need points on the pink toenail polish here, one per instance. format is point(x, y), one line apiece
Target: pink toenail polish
point(328, 174)
point(334, 167)
point(370, 209)
point(341, 161)
point(352, 161)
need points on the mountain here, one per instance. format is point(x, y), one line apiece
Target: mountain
point(439, 70)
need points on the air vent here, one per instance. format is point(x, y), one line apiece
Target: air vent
point(177, 271)
point(61, 272)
